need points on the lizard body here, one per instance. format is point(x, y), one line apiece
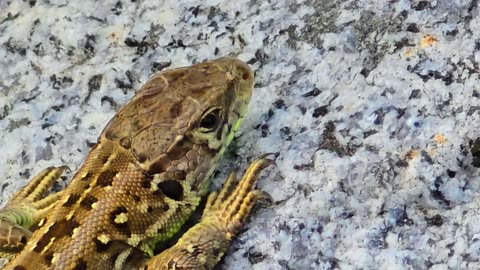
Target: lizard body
point(142, 180)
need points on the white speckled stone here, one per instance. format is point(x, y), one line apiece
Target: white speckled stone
point(374, 122)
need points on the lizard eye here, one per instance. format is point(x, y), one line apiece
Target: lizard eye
point(210, 120)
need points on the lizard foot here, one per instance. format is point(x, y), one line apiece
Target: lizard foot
point(203, 245)
point(26, 207)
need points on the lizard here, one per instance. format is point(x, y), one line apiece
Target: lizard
point(142, 180)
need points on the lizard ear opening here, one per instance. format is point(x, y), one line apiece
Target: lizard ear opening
point(172, 189)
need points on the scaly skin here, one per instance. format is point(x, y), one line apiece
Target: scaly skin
point(142, 180)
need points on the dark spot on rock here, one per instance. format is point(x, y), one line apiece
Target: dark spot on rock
point(380, 116)
point(413, 28)
point(31, 95)
point(131, 42)
point(265, 130)
point(270, 113)
point(117, 9)
point(404, 42)
point(304, 167)
point(60, 82)
point(252, 61)
point(303, 109)
point(109, 100)
point(330, 142)
point(364, 72)
point(39, 49)
point(90, 144)
point(472, 110)
point(285, 133)
point(436, 220)
point(279, 104)
point(438, 182)
point(22, 51)
point(315, 92)
point(89, 47)
point(58, 108)
point(320, 111)
point(369, 133)
point(174, 44)
point(158, 66)
point(427, 75)
point(253, 256)
point(475, 151)
point(125, 84)
point(261, 56)
point(4, 111)
point(426, 157)
point(438, 196)
point(402, 219)
point(25, 173)
point(94, 84)
point(347, 215)
point(195, 10)
point(415, 94)
point(451, 251)
point(401, 112)
point(448, 78)
point(16, 123)
point(452, 33)
point(451, 173)
point(13, 46)
point(421, 5)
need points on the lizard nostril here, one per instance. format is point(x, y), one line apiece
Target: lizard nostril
point(246, 75)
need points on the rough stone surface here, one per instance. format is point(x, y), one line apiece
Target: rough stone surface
point(372, 106)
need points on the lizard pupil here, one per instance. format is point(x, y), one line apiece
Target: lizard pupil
point(210, 121)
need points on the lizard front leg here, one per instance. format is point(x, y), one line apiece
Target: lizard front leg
point(25, 209)
point(204, 244)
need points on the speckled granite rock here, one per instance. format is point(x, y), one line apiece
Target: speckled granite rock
point(373, 107)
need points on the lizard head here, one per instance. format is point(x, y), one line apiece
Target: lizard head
point(180, 122)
